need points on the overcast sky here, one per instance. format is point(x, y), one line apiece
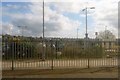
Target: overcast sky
point(61, 18)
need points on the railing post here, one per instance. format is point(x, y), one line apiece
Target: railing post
point(12, 56)
point(51, 54)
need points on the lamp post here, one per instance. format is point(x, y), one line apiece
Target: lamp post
point(86, 9)
point(10, 33)
point(86, 34)
point(22, 47)
point(96, 34)
point(22, 28)
point(6, 43)
point(43, 41)
point(77, 32)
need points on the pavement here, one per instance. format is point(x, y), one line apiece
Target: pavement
point(83, 75)
point(63, 73)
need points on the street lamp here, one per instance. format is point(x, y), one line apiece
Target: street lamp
point(96, 34)
point(86, 34)
point(22, 27)
point(22, 47)
point(6, 43)
point(86, 9)
point(77, 32)
point(10, 28)
point(43, 41)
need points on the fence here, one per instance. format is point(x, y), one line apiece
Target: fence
point(27, 53)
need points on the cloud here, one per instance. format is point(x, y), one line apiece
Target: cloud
point(105, 13)
point(56, 24)
point(9, 29)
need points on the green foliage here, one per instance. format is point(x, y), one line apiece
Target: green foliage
point(77, 51)
point(29, 48)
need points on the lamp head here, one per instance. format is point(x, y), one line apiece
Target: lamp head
point(92, 8)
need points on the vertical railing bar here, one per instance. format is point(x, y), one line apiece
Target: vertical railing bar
point(12, 56)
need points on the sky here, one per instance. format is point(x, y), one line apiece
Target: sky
point(62, 18)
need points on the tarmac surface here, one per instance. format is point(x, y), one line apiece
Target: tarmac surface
point(63, 73)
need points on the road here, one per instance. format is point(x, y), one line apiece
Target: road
point(68, 63)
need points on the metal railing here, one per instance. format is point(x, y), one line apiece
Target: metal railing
point(26, 53)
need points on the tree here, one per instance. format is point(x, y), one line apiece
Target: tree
point(106, 36)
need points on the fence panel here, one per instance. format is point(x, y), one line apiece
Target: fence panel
point(27, 53)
